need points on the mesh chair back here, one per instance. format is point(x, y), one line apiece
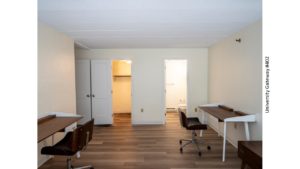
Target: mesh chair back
point(183, 119)
point(84, 134)
point(88, 127)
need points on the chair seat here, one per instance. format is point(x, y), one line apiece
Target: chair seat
point(193, 123)
point(60, 148)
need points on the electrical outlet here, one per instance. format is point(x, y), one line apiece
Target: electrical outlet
point(142, 110)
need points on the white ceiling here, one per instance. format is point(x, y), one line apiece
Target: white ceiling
point(98, 24)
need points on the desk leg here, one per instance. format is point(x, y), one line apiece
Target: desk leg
point(203, 122)
point(247, 131)
point(243, 165)
point(78, 154)
point(224, 142)
point(219, 129)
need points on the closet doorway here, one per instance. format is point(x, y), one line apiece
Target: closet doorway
point(121, 97)
point(175, 85)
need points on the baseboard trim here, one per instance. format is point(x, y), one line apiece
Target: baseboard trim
point(171, 109)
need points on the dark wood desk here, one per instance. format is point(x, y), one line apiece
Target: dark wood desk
point(51, 124)
point(221, 112)
point(251, 154)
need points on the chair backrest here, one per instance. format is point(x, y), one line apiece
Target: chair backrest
point(82, 135)
point(183, 119)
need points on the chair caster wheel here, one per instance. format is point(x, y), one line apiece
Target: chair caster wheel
point(180, 142)
point(180, 150)
point(208, 148)
point(199, 153)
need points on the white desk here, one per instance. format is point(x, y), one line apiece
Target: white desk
point(225, 115)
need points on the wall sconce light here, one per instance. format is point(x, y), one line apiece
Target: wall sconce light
point(238, 40)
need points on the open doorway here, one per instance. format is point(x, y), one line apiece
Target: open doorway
point(121, 97)
point(175, 85)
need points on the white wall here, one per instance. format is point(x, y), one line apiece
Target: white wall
point(148, 79)
point(56, 76)
point(235, 77)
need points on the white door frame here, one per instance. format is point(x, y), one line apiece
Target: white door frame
point(131, 85)
point(187, 86)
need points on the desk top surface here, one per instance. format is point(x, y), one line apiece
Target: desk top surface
point(220, 113)
point(254, 146)
point(51, 124)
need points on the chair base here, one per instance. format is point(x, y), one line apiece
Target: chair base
point(69, 165)
point(192, 141)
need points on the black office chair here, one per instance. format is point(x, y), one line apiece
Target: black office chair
point(191, 123)
point(72, 143)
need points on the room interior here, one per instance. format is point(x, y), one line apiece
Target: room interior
point(221, 43)
point(176, 84)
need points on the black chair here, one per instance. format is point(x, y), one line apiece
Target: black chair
point(191, 123)
point(72, 143)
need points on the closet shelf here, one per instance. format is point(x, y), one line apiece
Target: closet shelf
point(122, 75)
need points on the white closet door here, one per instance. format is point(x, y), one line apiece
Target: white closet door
point(83, 97)
point(101, 91)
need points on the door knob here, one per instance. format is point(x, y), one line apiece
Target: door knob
point(93, 95)
point(87, 95)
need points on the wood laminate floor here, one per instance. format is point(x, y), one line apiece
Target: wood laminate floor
point(123, 146)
